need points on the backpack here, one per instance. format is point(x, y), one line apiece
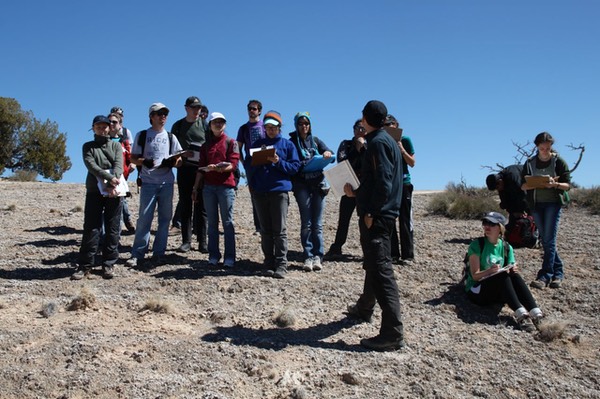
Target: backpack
point(142, 143)
point(522, 233)
point(466, 267)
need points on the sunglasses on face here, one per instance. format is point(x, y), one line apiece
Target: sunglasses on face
point(114, 122)
point(303, 124)
point(359, 128)
point(488, 223)
point(161, 113)
point(252, 108)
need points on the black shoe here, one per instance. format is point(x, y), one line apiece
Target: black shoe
point(80, 273)
point(203, 248)
point(382, 344)
point(130, 227)
point(406, 261)
point(108, 272)
point(280, 272)
point(333, 253)
point(185, 247)
point(355, 312)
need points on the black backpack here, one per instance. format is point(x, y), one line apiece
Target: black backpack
point(466, 266)
point(522, 233)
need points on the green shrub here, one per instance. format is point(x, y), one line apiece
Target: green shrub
point(460, 201)
point(588, 198)
point(24, 175)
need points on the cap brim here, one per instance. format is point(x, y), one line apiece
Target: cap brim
point(271, 121)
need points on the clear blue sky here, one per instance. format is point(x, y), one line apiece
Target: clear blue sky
point(465, 78)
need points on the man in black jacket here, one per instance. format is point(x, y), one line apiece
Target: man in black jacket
point(378, 200)
point(508, 184)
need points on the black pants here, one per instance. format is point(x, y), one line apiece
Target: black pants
point(186, 177)
point(405, 247)
point(100, 211)
point(380, 284)
point(506, 288)
point(347, 206)
point(272, 208)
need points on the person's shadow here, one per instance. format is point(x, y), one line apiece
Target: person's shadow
point(280, 338)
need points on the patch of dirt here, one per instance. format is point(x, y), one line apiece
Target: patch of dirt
point(186, 331)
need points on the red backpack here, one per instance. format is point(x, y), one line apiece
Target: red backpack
point(522, 233)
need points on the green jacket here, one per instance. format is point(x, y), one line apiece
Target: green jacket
point(100, 155)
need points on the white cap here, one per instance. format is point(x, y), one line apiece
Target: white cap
point(157, 107)
point(216, 115)
point(271, 121)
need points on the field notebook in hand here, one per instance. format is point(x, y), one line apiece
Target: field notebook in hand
point(122, 189)
point(260, 155)
point(340, 174)
point(537, 181)
point(501, 270)
point(317, 163)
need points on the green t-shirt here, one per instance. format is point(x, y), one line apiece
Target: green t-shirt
point(491, 255)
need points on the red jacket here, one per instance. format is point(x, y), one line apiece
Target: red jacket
point(215, 150)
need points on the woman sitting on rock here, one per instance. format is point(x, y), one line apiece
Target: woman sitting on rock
point(492, 275)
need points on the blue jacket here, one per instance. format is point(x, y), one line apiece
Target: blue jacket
point(274, 177)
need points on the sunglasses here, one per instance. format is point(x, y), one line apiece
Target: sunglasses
point(303, 124)
point(252, 108)
point(114, 122)
point(359, 128)
point(162, 112)
point(488, 223)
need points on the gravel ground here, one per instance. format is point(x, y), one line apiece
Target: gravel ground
point(186, 331)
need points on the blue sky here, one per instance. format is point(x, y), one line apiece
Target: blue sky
point(465, 78)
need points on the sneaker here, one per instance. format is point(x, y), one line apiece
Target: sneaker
point(525, 324)
point(406, 261)
point(355, 312)
point(80, 273)
point(555, 283)
point(132, 262)
point(316, 266)
point(308, 265)
point(108, 272)
point(229, 263)
point(280, 272)
point(185, 247)
point(382, 344)
point(537, 321)
point(539, 284)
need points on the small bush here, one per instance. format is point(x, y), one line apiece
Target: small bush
point(460, 201)
point(77, 208)
point(285, 318)
point(85, 300)
point(24, 175)
point(11, 207)
point(588, 198)
point(157, 305)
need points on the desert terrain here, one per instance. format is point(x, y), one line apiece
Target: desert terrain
point(184, 330)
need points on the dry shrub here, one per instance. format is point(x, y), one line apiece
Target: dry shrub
point(24, 175)
point(548, 332)
point(49, 309)
point(285, 318)
point(157, 305)
point(588, 198)
point(460, 201)
point(86, 299)
point(11, 207)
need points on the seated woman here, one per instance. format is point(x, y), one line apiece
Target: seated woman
point(492, 275)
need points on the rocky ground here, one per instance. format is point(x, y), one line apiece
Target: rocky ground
point(185, 331)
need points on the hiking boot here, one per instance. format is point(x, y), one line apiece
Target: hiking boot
point(108, 272)
point(213, 262)
point(132, 262)
point(333, 253)
point(80, 273)
point(129, 226)
point(525, 324)
point(280, 272)
point(356, 313)
point(555, 283)
point(308, 265)
point(539, 284)
point(382, 344)
point(406, 261)
point(203, 248)
point(317, 264)
point(185, 247)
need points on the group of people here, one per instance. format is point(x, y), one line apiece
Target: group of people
point(206, 158)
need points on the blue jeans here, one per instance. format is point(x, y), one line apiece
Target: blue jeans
point(546, 216)
point(310, 204)
point(219, 200)
point(152, 195)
